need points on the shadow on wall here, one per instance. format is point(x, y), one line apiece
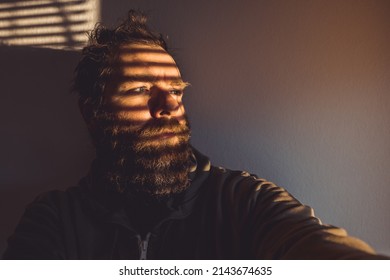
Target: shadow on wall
point(44, 144)
point(47, 23)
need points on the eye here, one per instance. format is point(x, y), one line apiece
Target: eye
point(177, 92)
point(138, 90)
point(142, 89)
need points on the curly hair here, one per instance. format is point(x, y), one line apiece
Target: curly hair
point(95, 67)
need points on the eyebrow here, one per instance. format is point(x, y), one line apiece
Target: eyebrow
point(181, 84)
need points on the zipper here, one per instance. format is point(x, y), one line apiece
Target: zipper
point(143, 246)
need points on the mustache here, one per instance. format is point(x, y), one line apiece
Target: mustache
point(114, 126)
point(156, 127)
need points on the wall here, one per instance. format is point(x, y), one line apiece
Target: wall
point(294, 91)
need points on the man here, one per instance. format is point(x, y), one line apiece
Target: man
point(150, 194)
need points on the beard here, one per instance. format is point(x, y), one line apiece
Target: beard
point(152, 161)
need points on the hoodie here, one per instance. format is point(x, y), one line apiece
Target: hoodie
point(224, 214)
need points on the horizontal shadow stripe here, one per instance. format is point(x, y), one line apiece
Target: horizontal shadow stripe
point(129, 108)
point(15, 1)
point(42, 15)
point(65, 34)
point(149, 78)
point(58, 24)
point(146, 63)
point(132, 122)
point(36, 6)
point(140, 50)
point(72, 44)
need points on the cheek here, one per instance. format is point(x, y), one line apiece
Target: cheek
point(122, 102)
point(137, 118)
point(182, 114)
point(133, 110)
point(181, 109)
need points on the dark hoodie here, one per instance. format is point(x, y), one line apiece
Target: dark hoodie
point(224, 214)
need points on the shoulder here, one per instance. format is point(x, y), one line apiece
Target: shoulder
point(50, 206)
point(241, 188)
point(40, 231)
point(238, 181)
point(248, 191)
point(56, 199)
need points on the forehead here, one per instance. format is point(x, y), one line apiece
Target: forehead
point(146, 62)
point(142, 52)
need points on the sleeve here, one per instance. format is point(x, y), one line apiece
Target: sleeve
point(38, 234)
point(280, 227)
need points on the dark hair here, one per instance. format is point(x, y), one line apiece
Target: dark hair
point(95, 66)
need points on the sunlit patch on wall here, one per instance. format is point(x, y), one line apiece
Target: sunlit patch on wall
point(47, 23)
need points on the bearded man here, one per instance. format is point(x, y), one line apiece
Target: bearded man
point(149, 193)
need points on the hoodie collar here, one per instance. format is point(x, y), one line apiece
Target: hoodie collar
point(110, 207)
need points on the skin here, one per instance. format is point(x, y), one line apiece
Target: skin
point(146, 85)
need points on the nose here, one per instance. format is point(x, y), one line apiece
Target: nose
point(163, 104)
